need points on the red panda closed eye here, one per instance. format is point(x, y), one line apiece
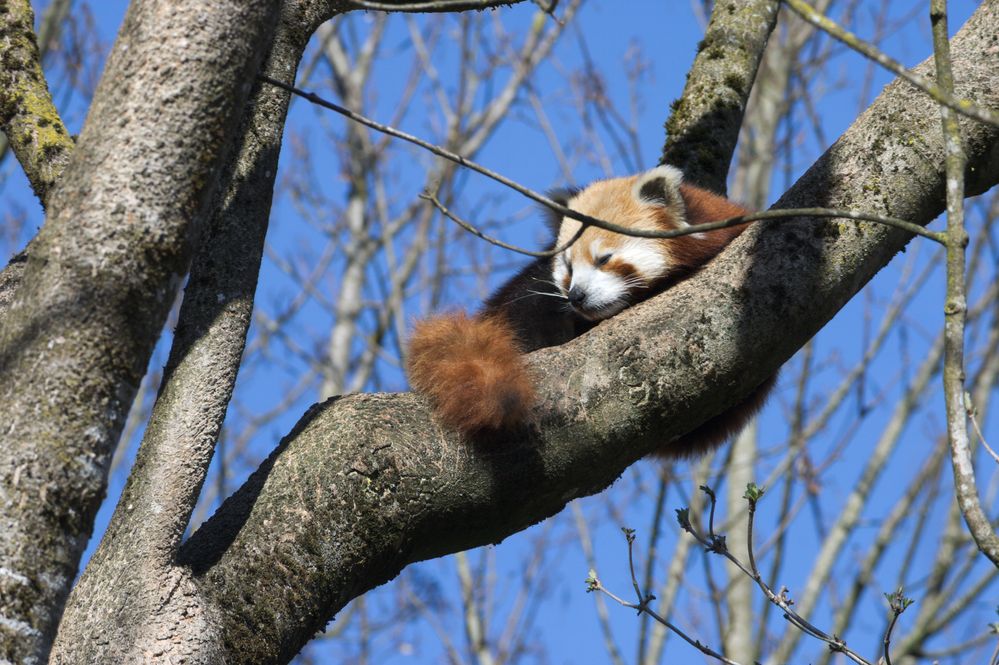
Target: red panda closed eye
point(472, 368)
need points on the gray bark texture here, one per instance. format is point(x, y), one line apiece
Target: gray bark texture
point(101, 276)
point(366, 484)
point(154, 613)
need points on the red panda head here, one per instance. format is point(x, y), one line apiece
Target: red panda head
point(604, 272)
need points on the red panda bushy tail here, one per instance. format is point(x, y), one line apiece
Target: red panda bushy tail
point(472, 370)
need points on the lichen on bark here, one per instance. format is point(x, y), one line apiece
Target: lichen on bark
point(27, 115)
point(702, 130)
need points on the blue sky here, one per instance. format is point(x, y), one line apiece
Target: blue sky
point(666, 35)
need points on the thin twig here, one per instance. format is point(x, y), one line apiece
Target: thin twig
point(771, 215)
point(955, 308)
point(629, 534)
point(431, 5)
point(595, 585)
point(711, 510)
point(898, 604)
point(782, 600)
point(941, 94)
point(548, 7)
point(972, 415)
point(593, 221)
point(642, 606)
point(603, 618)
point(887, 640)
point(474, 230)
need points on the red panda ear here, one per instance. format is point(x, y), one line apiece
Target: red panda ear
point(561, 196)
point(659, 186)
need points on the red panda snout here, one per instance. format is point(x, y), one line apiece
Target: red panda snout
point(599, 283)
point(596, 295)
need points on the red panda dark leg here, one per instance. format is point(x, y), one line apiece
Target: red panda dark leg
point(717, 430)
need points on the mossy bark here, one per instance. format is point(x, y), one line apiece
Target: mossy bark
point(703, 128)
point(28, 117)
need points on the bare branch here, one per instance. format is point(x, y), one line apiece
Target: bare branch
point(788, 213)
point(715, 543)
point(642, 606)
point(955, 309)
point(938, 91)
point(970, 409)
point(432, 6)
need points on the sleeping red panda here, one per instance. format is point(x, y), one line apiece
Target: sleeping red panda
point(472, 368)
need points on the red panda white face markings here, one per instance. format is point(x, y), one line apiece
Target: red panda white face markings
point(604, 272)
point(595, 292)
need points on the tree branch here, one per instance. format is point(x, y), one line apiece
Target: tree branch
point(937, 91)
point(955, 309)
point(704, 126)
point(431, 5)
point(48, 34)
point(815, 214)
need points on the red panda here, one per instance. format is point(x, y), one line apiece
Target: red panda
point(472, 369)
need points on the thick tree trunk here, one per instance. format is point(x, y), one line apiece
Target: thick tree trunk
point(102, 274)
point(155, 612)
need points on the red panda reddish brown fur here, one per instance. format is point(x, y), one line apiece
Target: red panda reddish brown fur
point(472, 368)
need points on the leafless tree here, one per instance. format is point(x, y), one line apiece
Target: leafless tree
point(163, 183)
